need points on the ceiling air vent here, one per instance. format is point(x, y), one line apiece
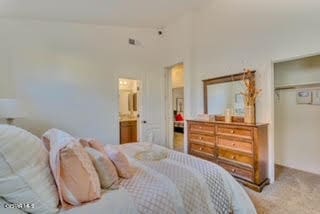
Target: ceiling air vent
point(132, 41)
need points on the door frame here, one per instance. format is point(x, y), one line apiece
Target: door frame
point(169, 132)
point(271, 84)
point(140, 107)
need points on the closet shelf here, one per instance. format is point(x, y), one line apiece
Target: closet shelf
point(297, 86)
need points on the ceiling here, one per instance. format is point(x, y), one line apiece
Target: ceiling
point(131, 13)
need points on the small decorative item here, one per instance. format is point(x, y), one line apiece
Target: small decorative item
point(179, 104)
point(316, 97)
point(219, 118)
point(204, 117)
point(151, 153)
point(239, 104)
point(250, 95)
point(228, 115)
point(304, 97)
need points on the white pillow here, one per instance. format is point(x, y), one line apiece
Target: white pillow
point(106, 171)
point(25, 176)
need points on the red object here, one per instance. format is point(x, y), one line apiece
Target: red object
point(179, 117)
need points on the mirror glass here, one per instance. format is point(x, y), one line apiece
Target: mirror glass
point(221, 96)
point(128, 101)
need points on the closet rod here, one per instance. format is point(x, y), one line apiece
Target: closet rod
point(307, 85)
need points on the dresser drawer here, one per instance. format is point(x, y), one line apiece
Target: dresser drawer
point(237, 171)
point(229, 143)
point(201, 128)
point(244, 160)
point(235, 131)
point(202, 138)
point(202, 149)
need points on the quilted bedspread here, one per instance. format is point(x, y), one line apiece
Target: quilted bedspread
point(181, 183)
point(176, 184)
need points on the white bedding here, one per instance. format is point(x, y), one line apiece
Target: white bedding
point(115, 201)
point(178, 184)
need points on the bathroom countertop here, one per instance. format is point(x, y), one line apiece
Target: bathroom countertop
point(128, 119)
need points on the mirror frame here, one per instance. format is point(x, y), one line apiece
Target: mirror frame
point(217, 80)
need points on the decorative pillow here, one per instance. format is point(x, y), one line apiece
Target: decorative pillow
point(106, 171)
point(79, 181)
point(25, 175)
point(97, 146)
point(84, 142)
point(121, 162)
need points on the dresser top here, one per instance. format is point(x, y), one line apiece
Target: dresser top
point(225, 123)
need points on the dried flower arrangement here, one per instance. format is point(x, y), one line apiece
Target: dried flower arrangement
point(251, 92)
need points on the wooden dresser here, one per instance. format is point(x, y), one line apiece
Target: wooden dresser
point(241, 149)
point(128, 131)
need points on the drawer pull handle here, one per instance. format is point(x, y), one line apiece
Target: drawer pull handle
point(200, 127)
point(233, 144)
point(233, 170)
point(200, 148)
point(232, 131)
point(233, 157)
point(200, 138)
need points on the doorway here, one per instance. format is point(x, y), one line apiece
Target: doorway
point(297, 113)
point(129, 110)
point(175, 107)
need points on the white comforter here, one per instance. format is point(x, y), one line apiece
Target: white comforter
point(178, 184)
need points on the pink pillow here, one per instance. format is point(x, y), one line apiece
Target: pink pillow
point(75, 176)
point(79, 180)
point(121, 162)
point(84, 142)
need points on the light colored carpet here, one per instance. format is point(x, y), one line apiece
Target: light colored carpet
point(293, 192)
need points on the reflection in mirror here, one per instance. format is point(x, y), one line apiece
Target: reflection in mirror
point(125, 101)
point(224, 96)
point(128, 99)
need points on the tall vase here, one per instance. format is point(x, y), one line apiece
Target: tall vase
point(249, 116)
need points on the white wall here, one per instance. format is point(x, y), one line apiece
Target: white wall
point(299, 71)
point(177, 49)
point(297, 143)
point(67, 75)
point(230, 35)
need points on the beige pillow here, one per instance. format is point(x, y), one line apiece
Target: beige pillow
point(106, 171)
point(25, 175)
point(79, 181)
point(121, 162)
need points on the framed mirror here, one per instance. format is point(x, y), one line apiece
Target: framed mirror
point(223, 93)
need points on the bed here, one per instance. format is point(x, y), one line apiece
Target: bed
point(164, 181)
point(176, 184)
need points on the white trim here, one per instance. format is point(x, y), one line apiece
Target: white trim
point(169, 106)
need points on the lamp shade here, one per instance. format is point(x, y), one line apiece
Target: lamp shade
point(9, 108)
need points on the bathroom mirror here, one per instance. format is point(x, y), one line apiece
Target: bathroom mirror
point(223, 93)
point(128, 101)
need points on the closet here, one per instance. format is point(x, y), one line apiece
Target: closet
point(297, 114)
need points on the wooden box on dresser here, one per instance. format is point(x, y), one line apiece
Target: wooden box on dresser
point(240, 148)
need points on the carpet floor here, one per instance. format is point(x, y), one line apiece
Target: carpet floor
point(293, 192)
